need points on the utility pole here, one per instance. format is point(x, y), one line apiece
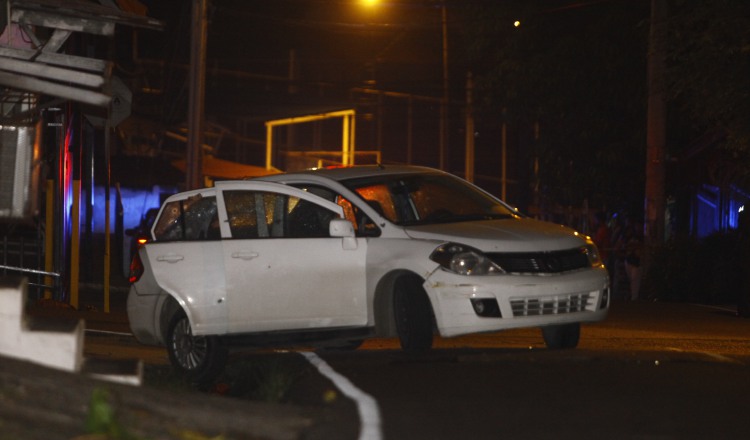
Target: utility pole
point(469, 128)
point(196, 102)
point(446, 94)
point(654, 202)
point(504, 156)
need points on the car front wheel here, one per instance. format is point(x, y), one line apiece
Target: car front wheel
point(413, 315)
point(198, 358)
point(562, 336)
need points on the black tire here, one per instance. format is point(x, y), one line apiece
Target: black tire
point(199, 359)
point(564, 336)
point(413, 314)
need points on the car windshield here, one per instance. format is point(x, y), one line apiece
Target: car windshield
point(422, 199)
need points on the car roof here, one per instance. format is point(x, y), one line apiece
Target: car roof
point(345, 173)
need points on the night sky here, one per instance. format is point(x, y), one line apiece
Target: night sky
point(399, 45)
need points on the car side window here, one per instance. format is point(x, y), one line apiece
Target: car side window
point(257, 214)
point(241, 214)
point(194, 218)
point(379, 197)
point(363, 225)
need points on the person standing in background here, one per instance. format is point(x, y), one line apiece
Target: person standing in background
point(602, 238)
point(633, 243)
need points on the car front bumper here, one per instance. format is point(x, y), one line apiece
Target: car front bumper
point(523, 300)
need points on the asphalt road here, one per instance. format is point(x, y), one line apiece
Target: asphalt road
point(490, 394)
point(631, 326)
point(650, 371)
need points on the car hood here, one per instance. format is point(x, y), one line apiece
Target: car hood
point(506, 235)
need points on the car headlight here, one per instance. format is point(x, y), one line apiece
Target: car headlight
point(464, 260)
point(592, 252)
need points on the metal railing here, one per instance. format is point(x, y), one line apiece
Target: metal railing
point(20, 253)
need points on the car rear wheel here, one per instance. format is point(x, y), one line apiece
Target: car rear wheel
point(198, 358)
point(413, 315)
point(562, 336)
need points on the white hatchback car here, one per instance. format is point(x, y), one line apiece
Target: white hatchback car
point(334, 256)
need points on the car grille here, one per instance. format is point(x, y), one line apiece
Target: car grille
point(553, 305)
point(541, 262)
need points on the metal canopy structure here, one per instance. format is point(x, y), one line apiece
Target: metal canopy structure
point(348, 117)
point(34, 31)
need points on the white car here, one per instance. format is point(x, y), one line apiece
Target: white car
point(334, 256)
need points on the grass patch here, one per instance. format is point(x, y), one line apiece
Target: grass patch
point(263, 378)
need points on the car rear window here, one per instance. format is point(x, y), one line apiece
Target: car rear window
point(194, 218)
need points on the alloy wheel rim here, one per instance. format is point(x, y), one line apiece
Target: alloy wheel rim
point(190, 351)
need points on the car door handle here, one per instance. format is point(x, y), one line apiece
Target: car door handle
point(170, 258)
point(245, 255)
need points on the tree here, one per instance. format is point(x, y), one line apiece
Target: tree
point(708, 66)
point(580, 72)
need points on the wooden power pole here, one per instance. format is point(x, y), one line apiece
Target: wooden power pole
point(654, 202)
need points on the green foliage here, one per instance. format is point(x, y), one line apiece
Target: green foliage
point(274, 385)
point(265, 379)
point(101, 418)
point(708, 54)
point(579, 69)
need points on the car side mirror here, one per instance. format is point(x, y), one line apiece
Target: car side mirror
point(340, 227)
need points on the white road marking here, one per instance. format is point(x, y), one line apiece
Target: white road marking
point(724, 308)
point(715, 356)
point(369, 413)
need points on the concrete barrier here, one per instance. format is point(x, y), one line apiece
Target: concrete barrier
point(51, 342)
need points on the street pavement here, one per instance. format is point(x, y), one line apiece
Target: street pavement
point(631, 325)
point(639, 329)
